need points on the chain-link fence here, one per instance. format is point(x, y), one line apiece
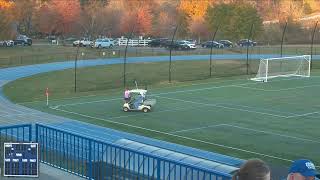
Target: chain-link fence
point(151, 67)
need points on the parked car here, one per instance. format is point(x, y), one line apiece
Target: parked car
point(6, 43)
point(160, 42)
point(103, 43)
point(187, 45)
point(82, 42)
point(191, 41)
point(23, 40)
point(246, 42)
point(180, 45)
point(213, 44)
point(226, 43)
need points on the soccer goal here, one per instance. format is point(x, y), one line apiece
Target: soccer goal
point(283, 67)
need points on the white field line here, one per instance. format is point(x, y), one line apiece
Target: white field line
point(271, 133)
point(270, 110)
point(259, 89)
point(143, 114)
point(172, 92)
point(224, 107)
point(276, 90)
point(199, 89)
point(73, 104)
point(216, 105)
point(93, 95)
point(250, 129)
point(198, 128)
point(301, 115)
point(178, 136)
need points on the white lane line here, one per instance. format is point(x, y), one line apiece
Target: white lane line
point(178, 136)
point(192, 129)
point(245, 106)
point(73, 104)
point(277, 90)
point(306, 114)
point(272, 133)
point(140, 114)
point(250, 129)
point(224, 107)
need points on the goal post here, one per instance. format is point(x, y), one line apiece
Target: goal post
point(283, 67)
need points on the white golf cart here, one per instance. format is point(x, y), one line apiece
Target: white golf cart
point(139, 101)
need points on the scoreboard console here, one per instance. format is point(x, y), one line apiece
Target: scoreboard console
point(21, 159)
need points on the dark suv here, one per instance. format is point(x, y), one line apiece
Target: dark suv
point(246, 42)
point(23, 40)
point(213, 44)
point(161, 42)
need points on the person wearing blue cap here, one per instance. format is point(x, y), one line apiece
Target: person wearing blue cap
point(302, 169)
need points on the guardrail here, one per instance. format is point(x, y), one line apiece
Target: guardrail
point(94, 159)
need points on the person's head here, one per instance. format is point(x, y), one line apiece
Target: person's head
point(253, 169)
point(302, 169)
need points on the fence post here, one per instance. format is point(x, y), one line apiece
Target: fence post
point(30, 132)
point(282, 38)
point(158, 169)
point(90, 160)
point(37, 131)
point(250, 36)
point(313, 33)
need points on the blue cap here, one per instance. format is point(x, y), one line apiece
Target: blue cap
point(304, 167)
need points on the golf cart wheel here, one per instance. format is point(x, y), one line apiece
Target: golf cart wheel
point(125, 109)
point(145, 110)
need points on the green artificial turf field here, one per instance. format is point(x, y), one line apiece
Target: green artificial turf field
point(277, 121)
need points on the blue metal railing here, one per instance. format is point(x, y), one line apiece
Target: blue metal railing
point(94, 159)
point(14, 133)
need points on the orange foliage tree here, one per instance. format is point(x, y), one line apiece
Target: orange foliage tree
point(195, 9)
point(140, 19)
point(6, 19)
point(59, 17)
point(4, 4)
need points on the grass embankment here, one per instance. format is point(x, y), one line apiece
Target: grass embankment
point(36, 54)
point(105, 78)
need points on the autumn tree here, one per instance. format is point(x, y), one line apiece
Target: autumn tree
point(144, 21)
point(164, 18)
point(23, 13)
point(194, 9)
point(5, 4)
point(235, 20)
point(59, 17)
point(289, 10)
point(92, 18)
point(164, 24)
point(6, 19)
point(139, 20)
point(199, 28)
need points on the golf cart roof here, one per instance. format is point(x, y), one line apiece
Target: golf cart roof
point(140, 91)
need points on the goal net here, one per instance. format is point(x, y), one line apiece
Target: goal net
point(283, 67)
